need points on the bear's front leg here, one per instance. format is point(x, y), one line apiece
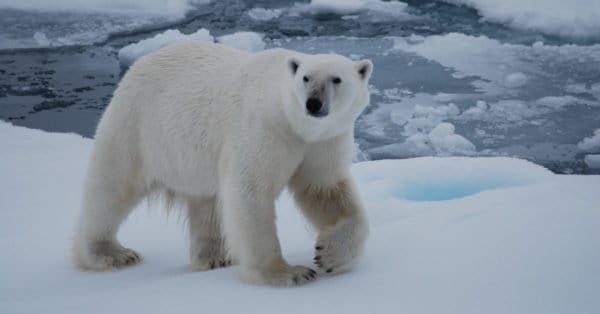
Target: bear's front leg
point(338, 214)
point(250, 232)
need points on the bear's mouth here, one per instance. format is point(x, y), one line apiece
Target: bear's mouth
point(318, 115)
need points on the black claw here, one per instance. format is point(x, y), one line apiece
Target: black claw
point(306, 277)
point(318, 248)
point(211, 265)
point(295, 279)
point(222, 263)
point(329, 270)
point(317, 258)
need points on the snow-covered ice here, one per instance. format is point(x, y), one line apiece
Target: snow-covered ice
point(250, 41)
point(576, 18)
point(131, 52)
point(449, 235)
point(591, 144)
point(394, 9)
point(262, 14)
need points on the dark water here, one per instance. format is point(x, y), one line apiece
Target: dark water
point(65, 89)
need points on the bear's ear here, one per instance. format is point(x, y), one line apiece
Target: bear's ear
point(364, 68)
point(293, 64)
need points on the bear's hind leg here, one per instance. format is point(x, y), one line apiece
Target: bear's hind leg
point(108, 200)
point(207, 244)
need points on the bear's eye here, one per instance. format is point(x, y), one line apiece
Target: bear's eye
point(305, 78)
point(336, 80)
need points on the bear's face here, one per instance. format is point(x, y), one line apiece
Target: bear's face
point(328, 94)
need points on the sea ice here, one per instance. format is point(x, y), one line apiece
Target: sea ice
point(576, 18)
point(130, 53)
point(590, 144)
point(347, 7)
point(455, 234)
point(262, 14)
point(593, 161)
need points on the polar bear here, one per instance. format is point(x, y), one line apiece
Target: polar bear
point(226, 131)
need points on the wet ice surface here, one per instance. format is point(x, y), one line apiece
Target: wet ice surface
point(445, 82)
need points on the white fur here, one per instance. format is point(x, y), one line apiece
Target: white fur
point(226, 131)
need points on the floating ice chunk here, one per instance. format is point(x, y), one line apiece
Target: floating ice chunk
point(557, 102)
point(262, 14)
point(130, 53)
point(440, 141)
point(590, 144)
point(593, 161)
point(518, 110)
point(446, 142)
point(477, 111)
point(580, 88)
point(341, 7)
point(347, 7)
point(250, 41)
point(575, 18)
point(515, 79)
point(576, 88)
point(425, 118)
point(41, 39)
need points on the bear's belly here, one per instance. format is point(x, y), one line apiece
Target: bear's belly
point(198, 181)
point(190, 174)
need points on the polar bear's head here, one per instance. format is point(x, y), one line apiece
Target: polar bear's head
point(328, 93)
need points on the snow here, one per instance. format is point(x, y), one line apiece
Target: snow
point(574, 18)
point(348, 7)
point(131, 52)
point(250, 41)
point(449, 235)
point(262, 14)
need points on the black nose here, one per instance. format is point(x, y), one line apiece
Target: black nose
point(314, 106)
